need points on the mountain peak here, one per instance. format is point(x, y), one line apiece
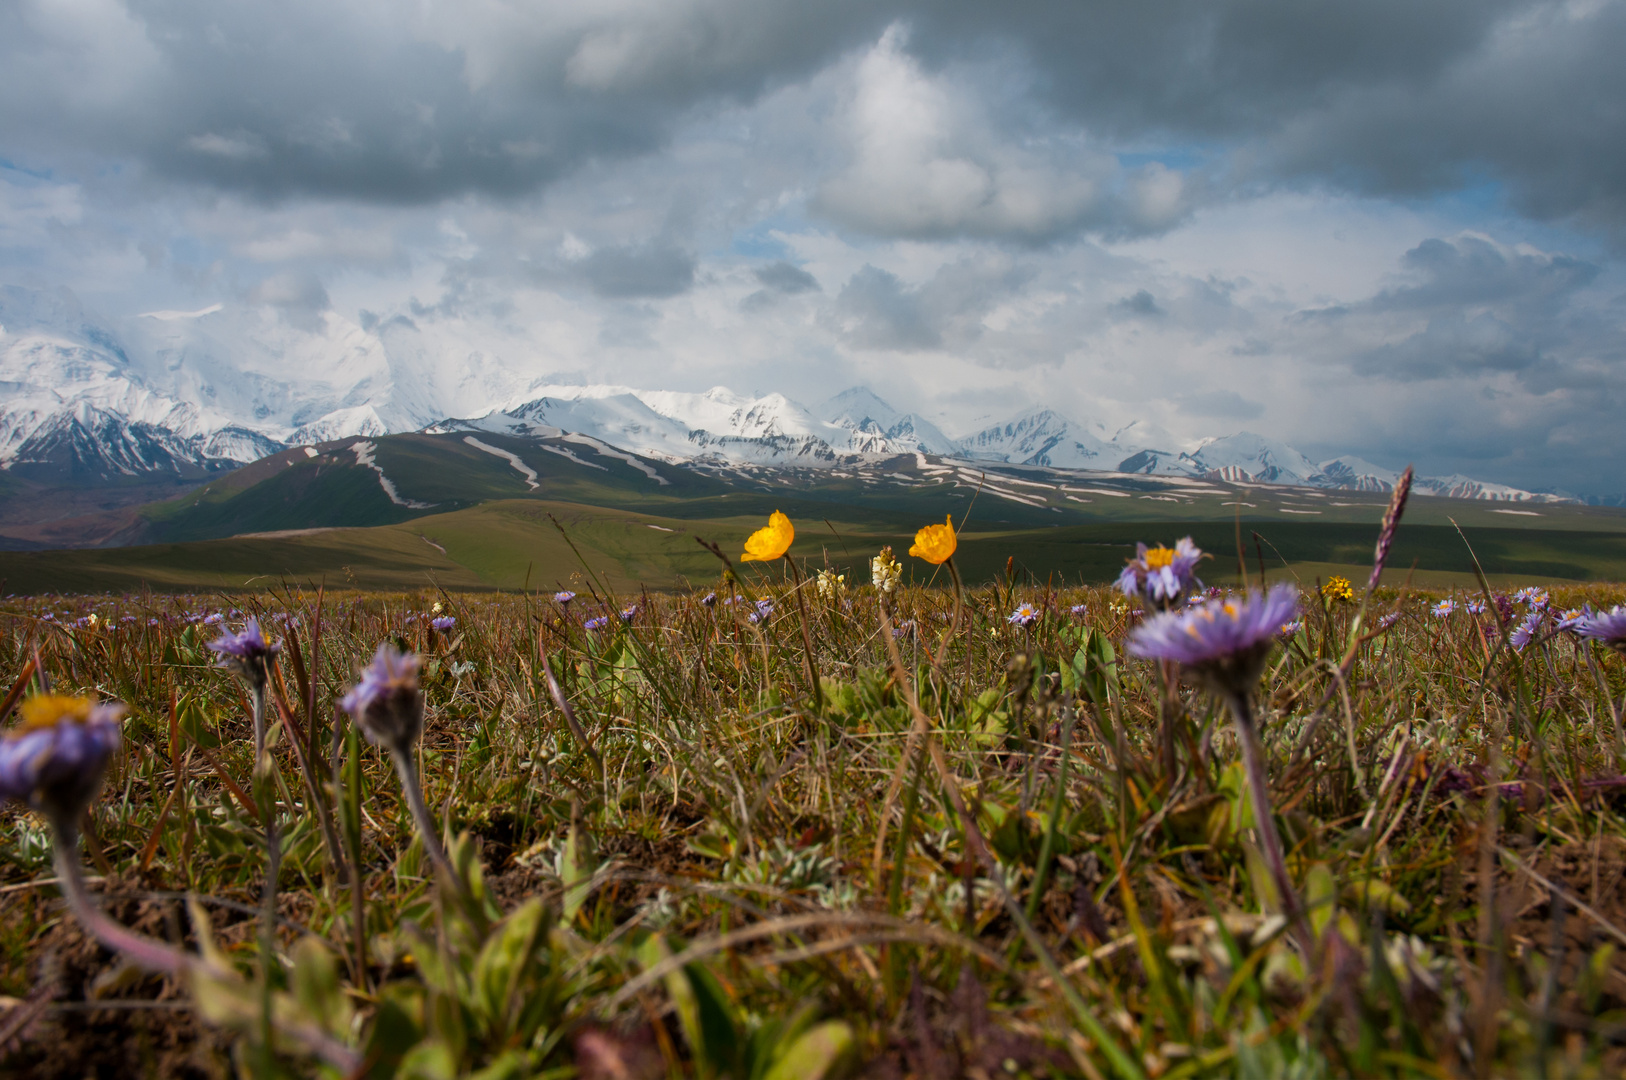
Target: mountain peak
point(856, 405)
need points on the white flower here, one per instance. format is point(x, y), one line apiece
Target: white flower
point(830, 584)
point(885, 571)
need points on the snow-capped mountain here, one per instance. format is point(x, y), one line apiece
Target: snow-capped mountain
point(185, 393)
point(1042, 438)
point(716, 426)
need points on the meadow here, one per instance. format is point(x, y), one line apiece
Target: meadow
point(782, 826)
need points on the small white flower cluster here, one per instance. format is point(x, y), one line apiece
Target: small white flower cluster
point(885, 571)
point(830, 585)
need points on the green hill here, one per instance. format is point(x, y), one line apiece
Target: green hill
point(473, 512)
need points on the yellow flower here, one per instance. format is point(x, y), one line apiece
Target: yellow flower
point(48, 710)
point(766, 545)
point(1338, 588)
point(935, 543)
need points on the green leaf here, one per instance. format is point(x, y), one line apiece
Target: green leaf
point(719, 1028)
point(575, 870)
point(315, 985)
point(812, 1056)
point(503, 959)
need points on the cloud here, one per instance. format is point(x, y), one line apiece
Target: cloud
point(782, 277)
point(1220, 404)
point(878, 312)
point(301, 298)
point(1142, 304)
point(638, 271)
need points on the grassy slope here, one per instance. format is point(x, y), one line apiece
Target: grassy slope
point(486, 527)
point(507, 543)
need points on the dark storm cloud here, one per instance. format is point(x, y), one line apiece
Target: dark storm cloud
point(389, 104)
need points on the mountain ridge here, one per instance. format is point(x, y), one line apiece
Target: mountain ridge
point(82, 403)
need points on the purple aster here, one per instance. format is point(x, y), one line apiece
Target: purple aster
point(710, 599)
point(1444, 609)
point(598, 622)
point(1160, 577)
point(1527, 630)
point(1573, 618)
point(1476, 607)
point(387, 702)
point(1078, 611)
point(628, 612)
point(443, 622)
point(245, 654)
point(54, 760)
point(564, 598)
point(248, 645)
point(1389, 620)
point(214, 620)
point(1608, 627)
point(1224, 642)
point(1291, 628)
point(1024, 616)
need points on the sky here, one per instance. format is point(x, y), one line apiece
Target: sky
point(1375, 227)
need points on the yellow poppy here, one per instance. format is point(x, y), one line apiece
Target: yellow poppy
point(935, 543)
point(766, 545)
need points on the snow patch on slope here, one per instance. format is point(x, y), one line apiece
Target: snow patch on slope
point(512, 459)
point(364, 457)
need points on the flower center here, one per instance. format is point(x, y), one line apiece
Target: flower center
point(49, 710)
point(1159, 557)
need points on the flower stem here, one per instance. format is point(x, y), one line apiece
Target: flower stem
point(807, 639)
point(407, 770)
point(144, 951)
point(1270, 842)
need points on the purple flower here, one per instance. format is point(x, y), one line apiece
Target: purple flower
point(1389, 620)
point(904, 630)
point(1476, 607)
point(1527, 630)
point(1574, 617)
point(628, 612)
point(1291, 628)
point(387, 703)
point(1024, 616)
point(214, 620)
point(54, 760)
point(598, 622)
point(1078, 611)
point(1444, 609)
point(564, 598)
point(245, 654)
point(247, 645)
point(1160, 577)
point(443, 622)
point(1607, 627)
point(1224, 642)
point(710, 599)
